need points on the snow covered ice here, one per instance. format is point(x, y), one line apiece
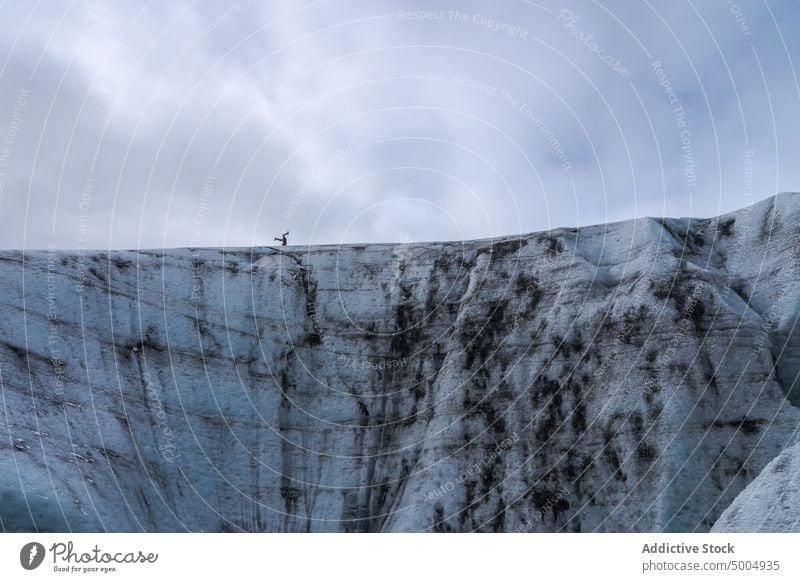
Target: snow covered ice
point(636, 376)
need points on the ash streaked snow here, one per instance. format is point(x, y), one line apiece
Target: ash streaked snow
point(634, 376)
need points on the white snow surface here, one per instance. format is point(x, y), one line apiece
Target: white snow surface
point(634, 376)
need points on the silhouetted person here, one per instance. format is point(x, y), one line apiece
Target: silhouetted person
point(282, 240)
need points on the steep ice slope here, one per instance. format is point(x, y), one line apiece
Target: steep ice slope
point(612, 378)
point(771, 503)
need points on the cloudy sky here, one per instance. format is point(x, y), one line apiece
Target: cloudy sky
point(129, 124)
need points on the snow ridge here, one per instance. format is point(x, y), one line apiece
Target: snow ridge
point(634, 376)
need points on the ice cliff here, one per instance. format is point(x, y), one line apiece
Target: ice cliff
point(634, 376)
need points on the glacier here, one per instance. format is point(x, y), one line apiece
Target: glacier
point(634, 376)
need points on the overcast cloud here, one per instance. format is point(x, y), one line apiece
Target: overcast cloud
point(132, 125)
